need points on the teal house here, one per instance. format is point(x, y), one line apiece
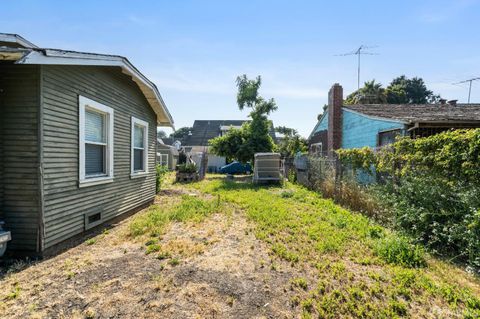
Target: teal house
point(376, 125)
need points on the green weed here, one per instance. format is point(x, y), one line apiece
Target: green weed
point(154, 221)
point(400, 251)
point(90, 241)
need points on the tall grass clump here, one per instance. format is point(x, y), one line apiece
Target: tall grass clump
point(400, 251)
point(161, 172)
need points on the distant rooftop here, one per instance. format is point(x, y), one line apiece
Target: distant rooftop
point(205, 130)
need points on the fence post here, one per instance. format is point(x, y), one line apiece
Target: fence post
point(338, 177)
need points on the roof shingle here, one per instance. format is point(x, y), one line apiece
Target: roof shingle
point(410, 113)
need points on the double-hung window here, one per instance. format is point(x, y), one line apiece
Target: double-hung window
point(139, 151)
point(96, 142)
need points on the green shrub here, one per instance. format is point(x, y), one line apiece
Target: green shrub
point(443, 216)
point(430, 189)
point(187, 168)
point(400, 251)
point(161, 171)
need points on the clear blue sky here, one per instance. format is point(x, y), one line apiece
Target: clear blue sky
point(193, 50)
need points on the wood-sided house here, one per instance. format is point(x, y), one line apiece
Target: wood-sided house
point(77, 141)
point(376, 125)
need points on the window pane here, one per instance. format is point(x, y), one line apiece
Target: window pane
point(94, 159)
point(138, 160)
point(94, 127)
point(138, 136)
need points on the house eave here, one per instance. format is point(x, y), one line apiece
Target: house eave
point(375, 117)
point(316, 125)
point(16, 39)
point(60, 57)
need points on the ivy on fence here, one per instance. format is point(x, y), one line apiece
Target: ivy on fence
point(434, 189)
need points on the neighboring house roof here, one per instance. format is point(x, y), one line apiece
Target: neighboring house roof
point(30, 54)
point(161, 145)
point(204, 130)
point(412, 113)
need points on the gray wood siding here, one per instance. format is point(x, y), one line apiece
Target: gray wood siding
point(65, 203)
point(19, 197)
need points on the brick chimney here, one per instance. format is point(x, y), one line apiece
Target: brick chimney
point(335, 102)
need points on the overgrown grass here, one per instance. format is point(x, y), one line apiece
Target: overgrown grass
point(153, 222)
point(399, 250)
point(361, 269)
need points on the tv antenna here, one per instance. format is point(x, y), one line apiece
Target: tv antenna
point(469, 81)
point(359, 52)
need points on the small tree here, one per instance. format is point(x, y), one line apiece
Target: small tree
point(292, 142)
point(253, 137)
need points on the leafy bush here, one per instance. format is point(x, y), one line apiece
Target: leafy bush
point(431, 187)
point(161, 171)
point(443, 216)
point(400, 251)
point(187, 168)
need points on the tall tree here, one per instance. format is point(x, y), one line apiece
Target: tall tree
point(403, 90)
point(161, 134)
point(253, 137)
point(181, 132)
point(371, 93)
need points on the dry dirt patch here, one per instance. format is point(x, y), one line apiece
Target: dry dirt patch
point(215, 269)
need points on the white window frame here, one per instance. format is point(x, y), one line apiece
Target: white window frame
point(317, 148)
point(144, 124)
point(162, 157)
point(84, 104)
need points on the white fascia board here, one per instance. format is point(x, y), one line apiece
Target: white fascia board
point(15, 38)
point(58, 57)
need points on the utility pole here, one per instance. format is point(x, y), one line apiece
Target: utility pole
point(469, 86)
point(358, 52)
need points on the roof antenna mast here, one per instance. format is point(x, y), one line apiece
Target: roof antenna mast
point(358, 52)
point(469, 86)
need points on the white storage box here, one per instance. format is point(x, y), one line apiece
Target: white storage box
point(268, 167)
